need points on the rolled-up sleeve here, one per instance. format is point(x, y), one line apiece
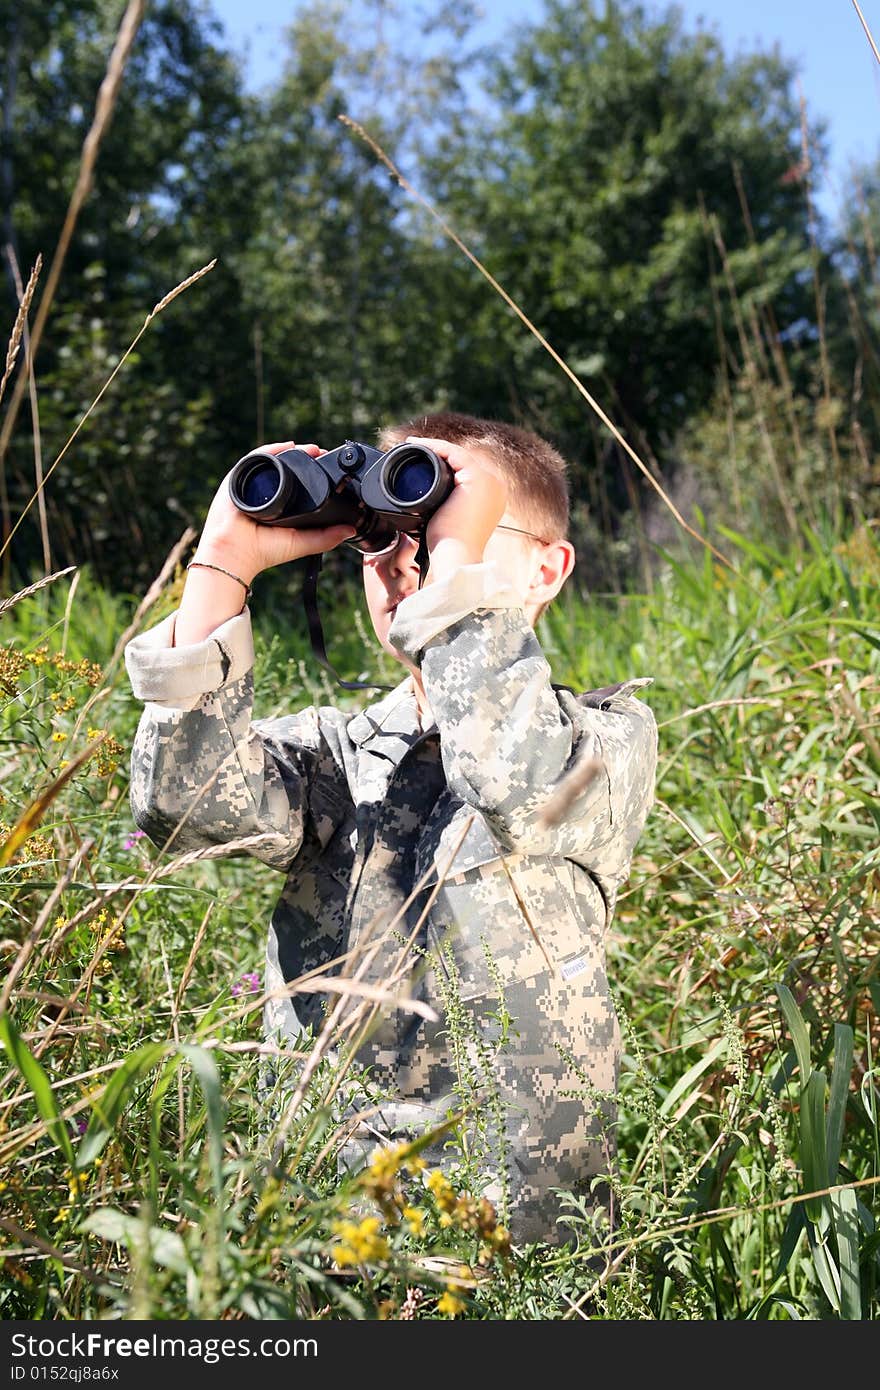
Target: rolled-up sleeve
point(203, 771)
point(508, 736)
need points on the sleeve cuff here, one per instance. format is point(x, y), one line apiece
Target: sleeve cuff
point(430, 610)
point(180, 676)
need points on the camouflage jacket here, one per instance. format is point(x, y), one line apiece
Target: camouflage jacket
point(424, 855)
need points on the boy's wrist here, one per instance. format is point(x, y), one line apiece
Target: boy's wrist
point(225, 558)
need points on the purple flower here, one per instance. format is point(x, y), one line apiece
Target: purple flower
point(133, 838)
point(80, 1124)
point(248, 984)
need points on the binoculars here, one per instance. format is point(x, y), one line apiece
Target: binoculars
point(380, 494)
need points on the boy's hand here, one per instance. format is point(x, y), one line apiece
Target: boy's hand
point(232, 539)
point(459, 529)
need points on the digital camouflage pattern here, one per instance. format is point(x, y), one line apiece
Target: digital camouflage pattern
point(423, 854)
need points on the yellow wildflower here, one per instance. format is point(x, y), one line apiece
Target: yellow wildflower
point(443, 1192)
point(500, 1240)
point(415, 1219)
point(449, 1305)
point(359, 1243)
point(386, 1161)
point(63, 1213)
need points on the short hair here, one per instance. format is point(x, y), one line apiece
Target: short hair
point(536, 473)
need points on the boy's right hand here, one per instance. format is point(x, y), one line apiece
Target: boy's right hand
point(231, 539)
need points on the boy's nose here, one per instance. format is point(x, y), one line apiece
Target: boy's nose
point(403, 556)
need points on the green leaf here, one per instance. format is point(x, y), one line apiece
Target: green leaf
point(691, 1075)
point(800, 1034)
point(205, 1068)
point(814, 1153)
point(840, 1075)
point(166, 1247)
point(114, 1098)
point(794, 1227)
point(826, 1270)
point(34, 1076)
point(844, 1212)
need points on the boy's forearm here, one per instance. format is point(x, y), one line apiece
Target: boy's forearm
point(210, 598)
point(447, 558)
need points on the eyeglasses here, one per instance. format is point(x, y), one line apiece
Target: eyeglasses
point(401, 535)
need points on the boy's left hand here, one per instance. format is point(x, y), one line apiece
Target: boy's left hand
point(472, 510)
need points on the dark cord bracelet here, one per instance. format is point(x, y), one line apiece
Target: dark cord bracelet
point(203, 565)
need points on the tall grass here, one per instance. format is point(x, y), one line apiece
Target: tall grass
point(149, 1165)
point(137, 1150)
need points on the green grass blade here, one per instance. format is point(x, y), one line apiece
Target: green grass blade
point(116, 1095)
point(840, 1075)
point(33, 1075)
point(826, 1270)
point(800, 1033)
point(790, 1236)
point(205, 1068)
point(844, 1212)
point(814, 1152)
point(684, 1083)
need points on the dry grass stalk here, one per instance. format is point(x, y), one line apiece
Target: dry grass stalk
point(178, 289)
point(191, 960)
point(43, 916)
point(173, 999)
point(104, 108)
point(34, 813)
point(819, 291)
point(107, 384)
point(37, 1243)
point(357, 989)
point(568, 789)
point(753, 376)
point(560, 362)
point(772, 334)
point(24, 305)
point(868, 33)
point(32, 588)
point(196, 856)
point(35, 417)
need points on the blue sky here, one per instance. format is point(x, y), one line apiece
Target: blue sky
point(839, 73)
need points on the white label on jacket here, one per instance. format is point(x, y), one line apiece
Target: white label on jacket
point(570, 968)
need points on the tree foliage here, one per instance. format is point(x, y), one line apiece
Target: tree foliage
point(640, 194)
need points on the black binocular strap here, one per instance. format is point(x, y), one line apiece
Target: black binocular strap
point(313, 617)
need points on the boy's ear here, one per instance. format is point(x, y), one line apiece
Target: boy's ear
point(557, 563)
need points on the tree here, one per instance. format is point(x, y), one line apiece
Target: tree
point(613, 142)
point(170, 191)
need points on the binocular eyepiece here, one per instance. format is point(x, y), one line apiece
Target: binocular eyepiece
point(378, 493)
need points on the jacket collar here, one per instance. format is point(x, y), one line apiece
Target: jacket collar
point(389, 725)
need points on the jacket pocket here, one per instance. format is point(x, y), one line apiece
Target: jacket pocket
point(513, 919)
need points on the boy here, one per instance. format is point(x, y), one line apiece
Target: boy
point(443, 781)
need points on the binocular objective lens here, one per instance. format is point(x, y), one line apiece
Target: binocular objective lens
point(259, 485)
point(411, 478)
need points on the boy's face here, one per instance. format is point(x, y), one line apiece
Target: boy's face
point(528, 565)
point(394, 575)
